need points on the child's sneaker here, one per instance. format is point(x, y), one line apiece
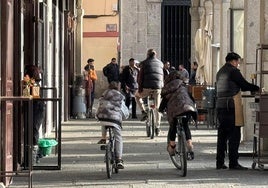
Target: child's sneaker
point(119, 164)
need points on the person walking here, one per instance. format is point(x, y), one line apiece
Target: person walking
point(150, 80)
point(129, 85)
point(88, 85)
point(93, 77)
point(111, 71)
point(229, 84)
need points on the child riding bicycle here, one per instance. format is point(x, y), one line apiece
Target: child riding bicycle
point(177, 101)
point(110, 112)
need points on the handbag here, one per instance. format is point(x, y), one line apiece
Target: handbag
point(124, 110)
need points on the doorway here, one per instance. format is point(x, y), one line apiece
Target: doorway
point(176, 32)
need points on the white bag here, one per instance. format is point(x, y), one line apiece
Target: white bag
point(124, 110)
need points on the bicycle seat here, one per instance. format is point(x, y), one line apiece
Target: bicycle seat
point(181, 116)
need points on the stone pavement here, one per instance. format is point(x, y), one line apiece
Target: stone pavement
point(147, 163)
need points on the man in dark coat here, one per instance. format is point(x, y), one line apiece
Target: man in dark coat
point(150, 80)
point(166, 69)
point(111, 71)
point(129, 84)
point(229, 83)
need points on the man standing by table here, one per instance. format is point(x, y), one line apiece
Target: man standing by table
point(229, 84)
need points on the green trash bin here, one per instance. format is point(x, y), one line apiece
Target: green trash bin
point(45, 145)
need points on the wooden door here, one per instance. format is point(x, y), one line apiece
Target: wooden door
point(7, 63)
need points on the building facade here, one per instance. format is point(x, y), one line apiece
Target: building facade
point(100, 36)
point(217, 27)
point(41, 33)
point(59, 36)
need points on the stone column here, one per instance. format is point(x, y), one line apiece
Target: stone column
point(142, 22)
point(216, 45)
point(225, 30)
point(252, 38)
point(154, 26)
point(195, 19)
point(129, 26)
point(140, 27)
point(79, 37)
point(134, 21)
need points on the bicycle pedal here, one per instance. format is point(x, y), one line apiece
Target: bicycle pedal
point(103, 147)
point(190, 156)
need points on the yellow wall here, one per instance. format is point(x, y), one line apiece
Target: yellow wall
point(100, 49)
point(103, 48)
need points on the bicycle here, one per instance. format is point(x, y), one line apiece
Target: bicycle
point(110, 153)
point(150, 121)
point(180, 158)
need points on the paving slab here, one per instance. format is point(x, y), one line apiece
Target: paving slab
point(147, 163)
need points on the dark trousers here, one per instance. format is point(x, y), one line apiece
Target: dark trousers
point(92, 96)
point(131, 100)
point(38, 117)
point(229, 134)
point(173, 130)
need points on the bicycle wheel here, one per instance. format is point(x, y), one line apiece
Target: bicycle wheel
point(108, 160)
point(179, 159)
point(152, 123)
point(148, 129)
point(182, 150)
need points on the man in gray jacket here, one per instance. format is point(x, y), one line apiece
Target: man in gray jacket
point(150, 80)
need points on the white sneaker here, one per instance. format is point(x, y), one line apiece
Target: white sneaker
point(120, 164)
